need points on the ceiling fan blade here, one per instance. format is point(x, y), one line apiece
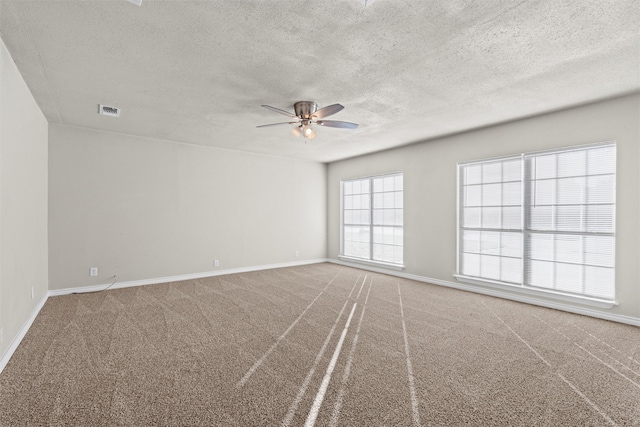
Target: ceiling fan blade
point(337, 124)
point(327, 111)
point(277, 124)
point(277, 110)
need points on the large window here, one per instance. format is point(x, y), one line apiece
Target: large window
point(541, 220)
point(372, 210)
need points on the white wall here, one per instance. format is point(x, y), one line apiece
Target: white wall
point(141, 208)
point(430, 185)
point(23, 202)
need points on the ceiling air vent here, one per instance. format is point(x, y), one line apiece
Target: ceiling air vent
point(109, 111)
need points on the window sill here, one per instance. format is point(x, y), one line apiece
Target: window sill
point(389, 265)
point(561, 296)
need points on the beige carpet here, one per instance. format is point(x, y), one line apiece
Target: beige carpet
point(323, 343)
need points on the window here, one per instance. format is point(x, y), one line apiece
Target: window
point(492, 220)
point(541, 221)
point(372, 211)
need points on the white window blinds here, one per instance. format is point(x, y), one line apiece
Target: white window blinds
point(541, 220)
point(491, 220)
point(387, 219)
point(356, 218)
point(570, 225)
point(372, 218)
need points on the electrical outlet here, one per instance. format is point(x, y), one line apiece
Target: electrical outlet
point(93, 271)
point(297, 253)
point(32, 293)
point(216, 263)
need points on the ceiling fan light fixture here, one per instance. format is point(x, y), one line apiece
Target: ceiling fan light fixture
point(308, 131)
point(296, 131)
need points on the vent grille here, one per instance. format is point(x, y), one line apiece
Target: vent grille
point(109, 111)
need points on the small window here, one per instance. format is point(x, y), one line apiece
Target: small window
point(372, 219)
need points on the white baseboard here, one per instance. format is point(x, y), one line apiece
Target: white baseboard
point(23, 331)
point(635, 321)
point(25, 328)
point(178, 278)
point(491, 292)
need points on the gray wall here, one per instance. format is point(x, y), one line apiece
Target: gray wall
point(430, 185)
point(141, 208)
point(23, 202)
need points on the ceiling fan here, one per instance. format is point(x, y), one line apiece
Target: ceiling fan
point(307, 114)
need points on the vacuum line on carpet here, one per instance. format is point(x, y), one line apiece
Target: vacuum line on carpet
point(259, 362)
point(605, 416)
point(317, 403)
point(347, 369)
point(354, 286)
point(412, 388)
point(362, 286)
point(518, 336)
point(303, 389)
point(590, 354)
point(608, 345)
point(574, 388)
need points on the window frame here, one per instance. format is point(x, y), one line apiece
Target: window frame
point(371, 225)
point(526, 231)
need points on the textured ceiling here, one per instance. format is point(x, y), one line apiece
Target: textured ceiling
point(197, 72)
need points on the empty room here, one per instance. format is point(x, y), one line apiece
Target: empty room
point(331, 213)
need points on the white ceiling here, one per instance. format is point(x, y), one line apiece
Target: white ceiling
point(198, 71)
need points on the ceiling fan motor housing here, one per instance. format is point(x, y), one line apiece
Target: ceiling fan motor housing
point(304, 109)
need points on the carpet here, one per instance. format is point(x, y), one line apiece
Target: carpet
point(319, 345)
